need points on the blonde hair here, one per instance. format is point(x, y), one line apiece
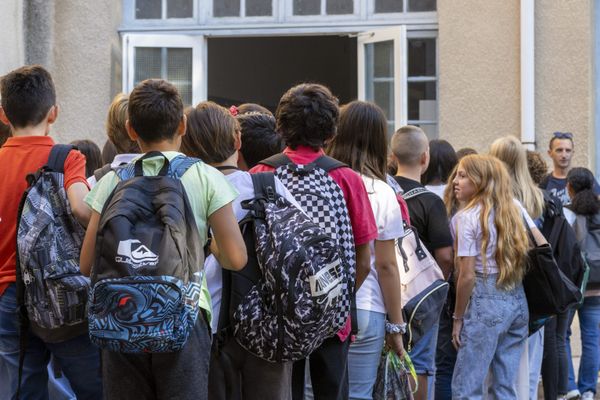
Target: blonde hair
point(115, 126)
point(509, 150)
point(493, 194)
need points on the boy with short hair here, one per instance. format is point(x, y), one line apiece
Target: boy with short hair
point(29, 108)
point(156, 121)
point(307, 117)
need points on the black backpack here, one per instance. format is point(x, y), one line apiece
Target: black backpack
point(293, 293)
point(147, 275)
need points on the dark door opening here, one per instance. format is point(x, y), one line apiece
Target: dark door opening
point(260, 69)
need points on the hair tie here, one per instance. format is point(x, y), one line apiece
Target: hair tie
point(233, 110)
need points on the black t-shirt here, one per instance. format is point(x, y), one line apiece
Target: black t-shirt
point(427, 215)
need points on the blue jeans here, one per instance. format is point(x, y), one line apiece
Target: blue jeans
point(445, 358)
point(589, 323)
point(78, 359)
point(365, 353)
point(493, 337)
point(536, 354)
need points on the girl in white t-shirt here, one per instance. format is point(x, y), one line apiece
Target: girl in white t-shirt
point(491, 314)
point(361, 142)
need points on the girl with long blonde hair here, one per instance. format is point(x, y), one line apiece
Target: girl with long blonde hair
point(491, 243)
point(509, 150)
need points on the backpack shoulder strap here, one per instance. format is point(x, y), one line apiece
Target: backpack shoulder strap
point(58, 155)
point(414, 192)
point(100, 172)
point(264, 185)
point(327, 163)
point(180, 164)
point(276, 160)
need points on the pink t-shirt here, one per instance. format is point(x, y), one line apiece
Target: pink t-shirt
point(357, 201)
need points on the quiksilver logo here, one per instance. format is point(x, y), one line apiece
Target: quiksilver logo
point(134, 253)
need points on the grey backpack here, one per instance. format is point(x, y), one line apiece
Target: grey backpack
point(51, 292)
point(587, 230)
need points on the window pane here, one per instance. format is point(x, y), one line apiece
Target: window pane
point(422, 5)
point(340, 7)
point(422, 104)
point(431, 130)
point(179, 72)
point(421, 57)
point(148, 9)
point(258, 8)
point(226, 8)
point(147, 63)
point(388, 6)
point(307, 7)
point(379, 79)
point(180, 8)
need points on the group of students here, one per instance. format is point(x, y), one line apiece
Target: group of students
point(472, 214)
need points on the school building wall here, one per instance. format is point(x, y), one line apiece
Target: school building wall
point(479, 75)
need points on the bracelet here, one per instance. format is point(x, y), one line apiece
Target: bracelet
point(454, 317)
point(395, 328)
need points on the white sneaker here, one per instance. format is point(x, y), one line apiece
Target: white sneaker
point(589, 395)
point(573, 395)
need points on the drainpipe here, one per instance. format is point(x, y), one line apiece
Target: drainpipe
point(38, 22)
point(528, 74)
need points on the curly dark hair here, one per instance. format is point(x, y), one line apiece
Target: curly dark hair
point(307, 115)
point(581, 181)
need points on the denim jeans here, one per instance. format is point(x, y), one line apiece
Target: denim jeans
point(365, 353)
point(78, 359)
point(493, 337)
point(555, 366)
point(445, 358)
point(536, 353)
point(589, 323)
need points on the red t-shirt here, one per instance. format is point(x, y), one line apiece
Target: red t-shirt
point(355, 193)
point(20, 156)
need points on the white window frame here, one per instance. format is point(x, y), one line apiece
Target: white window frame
point(322, 16)
point(208, 17)
point(414, 16)
point(130, 19)
point(398, 36)
point(425, 35)
point(196, 42)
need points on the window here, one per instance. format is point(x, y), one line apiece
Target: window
point(403, 6)
point(322, 7)
point(175, 58)
point(242, 8)
point(164, 9)
point(422, 84)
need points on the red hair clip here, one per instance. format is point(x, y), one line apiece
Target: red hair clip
point(233, 110)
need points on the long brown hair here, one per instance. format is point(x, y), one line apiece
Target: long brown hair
point(361, 140)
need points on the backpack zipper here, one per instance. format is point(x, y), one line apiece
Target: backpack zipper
point(412, 315)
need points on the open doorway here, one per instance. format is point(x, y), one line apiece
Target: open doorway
point(261, 69)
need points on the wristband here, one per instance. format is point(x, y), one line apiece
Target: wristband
point(454, 317)
point(395, 328)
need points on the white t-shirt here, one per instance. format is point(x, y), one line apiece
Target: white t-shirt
point(242, 182)
point(437, 189)
point(119, 159)
point(466, 225)
point(388, 218)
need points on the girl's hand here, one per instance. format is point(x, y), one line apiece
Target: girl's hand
point(394, 341)
point(456, 329)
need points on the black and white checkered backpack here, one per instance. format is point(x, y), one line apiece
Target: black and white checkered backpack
point(323, 200)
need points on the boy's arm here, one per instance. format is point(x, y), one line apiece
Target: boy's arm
point(88, 249)
point(76, 193)
point(228, 244)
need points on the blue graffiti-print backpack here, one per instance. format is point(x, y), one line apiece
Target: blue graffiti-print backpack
point(147, 277)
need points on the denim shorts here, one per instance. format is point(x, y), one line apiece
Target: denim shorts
point(422, 354)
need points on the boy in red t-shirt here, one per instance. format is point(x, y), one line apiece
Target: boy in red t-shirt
point(29, 108)
point(307, 116)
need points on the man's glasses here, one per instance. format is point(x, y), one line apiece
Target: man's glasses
point(563, 135)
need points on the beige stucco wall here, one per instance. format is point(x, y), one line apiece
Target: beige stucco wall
point(478, 71)
point(479, 64)
point(86, 50)
point(564, 74)
point(11, 45)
